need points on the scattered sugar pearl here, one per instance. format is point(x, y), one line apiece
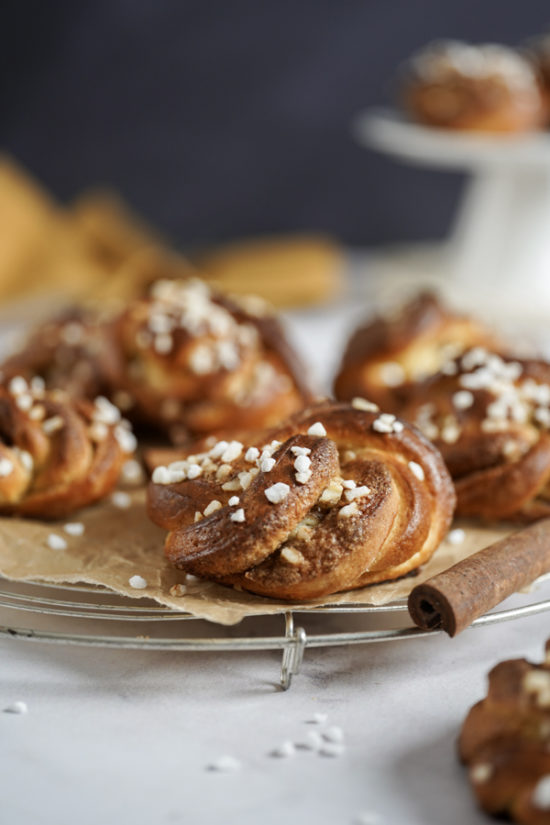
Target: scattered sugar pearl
point(450, 433)
point(300, 450)
point(160, 324)
point(137, 582)
point(56, 542)
point(194, 471)
point(163, 344)
point(17, 385)
point(291, 556)
point(387, 423)
point(172, 474)
point(37, 413)
point(98, 431)
point(348, 483)
point(24, 402)
point(348, 510)
point(74, 528)
point(223, 471)
point(334, 734)
point(312, 742)
point(267, 464)
point(6, 467)
point(392, 374)
point(234, 484)
point(463, 399)
point(252, 454)
point(126, 439)
point(225, 764)
point(277, 492)
point(456, 536)
point(245, 479)
point(317, 429)
point(218, 448)
point(537, 683)
point(121, 499)
point(302, 463)
point(16, 708)
point(284, 751)
point(38, 385)
point(417, 470)
point(357, 492)
point(303, 478)
point(541, 794)
point(212, 507)
point(364, 405)
point(233, 501)
point(318, 719)
point(25, 458)
point(381, 427)
point(105, 411)
point(449, 368)
point(481, 773)
point(238, 516)
point(161, 475)
point(232, 452)
point(332, 749)
point(52, 425)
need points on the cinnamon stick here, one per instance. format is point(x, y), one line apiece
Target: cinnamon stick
point(452, 600)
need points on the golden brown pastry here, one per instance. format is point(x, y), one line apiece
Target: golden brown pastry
point(388, 355)
point(68, 353)
point(57, 454)
point(489, 415)
point(478, 88)
point(184, 359)
point(194, 361)
point(337, 497)
point(505, 743)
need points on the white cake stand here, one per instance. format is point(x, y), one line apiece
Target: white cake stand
point(498, 254)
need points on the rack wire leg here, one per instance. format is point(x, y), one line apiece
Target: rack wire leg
point(293, 652)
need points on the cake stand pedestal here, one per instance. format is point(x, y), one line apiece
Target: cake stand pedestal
point(498, 252)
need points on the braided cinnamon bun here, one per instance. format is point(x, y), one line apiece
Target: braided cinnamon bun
point(505, 742)
point(185, 360)
point(387, 356)
point(485, 88)
point(57, 454)
point(69, 353)
point(339, 497)
point(489, 416)
point(192, 359)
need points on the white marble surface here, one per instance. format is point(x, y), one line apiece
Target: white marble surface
point(127, 736)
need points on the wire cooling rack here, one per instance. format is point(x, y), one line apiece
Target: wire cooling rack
point(93, 616)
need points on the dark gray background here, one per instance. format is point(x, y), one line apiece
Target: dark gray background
point(223, 118)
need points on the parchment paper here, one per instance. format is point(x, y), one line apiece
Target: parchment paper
point(120, 543)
